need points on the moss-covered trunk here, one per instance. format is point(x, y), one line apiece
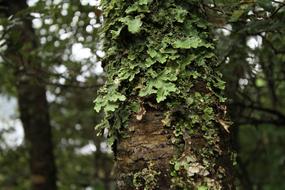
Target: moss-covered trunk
point(146, 151)
point(146, 158)
point(31, 93)
point(163, 98)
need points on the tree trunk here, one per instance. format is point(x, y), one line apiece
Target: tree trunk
point(163, 98)
point(102, 166)
point(33, 105)
point(149, 146)
point(34, 115)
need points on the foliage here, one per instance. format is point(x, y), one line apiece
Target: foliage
point(251, 52)
point(12, 168)
point(58, 27)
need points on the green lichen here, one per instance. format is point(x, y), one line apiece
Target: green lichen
point(146, 179)
point(163, 51)
point(160, 53)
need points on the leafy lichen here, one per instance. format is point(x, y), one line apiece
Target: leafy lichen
point(160, 53)
point(146, 179)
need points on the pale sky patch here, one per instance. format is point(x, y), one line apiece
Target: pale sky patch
point(254, 42)
point(9, 120)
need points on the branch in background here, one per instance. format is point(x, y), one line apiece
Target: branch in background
point(79, 85)
point(278, 2)
point(257, 121)
point(45, 74)
point(277, 10)
point(275, 50)
point(73, 84)
point(251, 120)
point(280, 115)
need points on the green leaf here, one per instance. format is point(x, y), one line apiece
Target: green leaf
point(188, 43)
point(139, 6)
point(111, 140)
point(135, 106)
point(180, 14)
point(134, 25)
point(110, 107)
point(160, 57)
point(220, 84)
point(189, 101)
point(101, 126)
point(149, 62)
point(144, 2)
point(152, 52)
point(117, 96)
point(202, 188)
point(160, 84)
point(116, 33)
point(98, 104)
point(177, 166)
point(109, 102)
point(164, 91)
point(127, 73)
point(236, 15)
point(148, 89)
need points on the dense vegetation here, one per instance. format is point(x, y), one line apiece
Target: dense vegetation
point(149, 45)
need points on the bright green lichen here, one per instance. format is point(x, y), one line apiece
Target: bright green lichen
point(160, 53)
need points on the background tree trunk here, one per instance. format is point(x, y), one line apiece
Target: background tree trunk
point(33, 105)
point(34, 114)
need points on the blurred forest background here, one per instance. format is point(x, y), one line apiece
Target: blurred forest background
point(62, 40)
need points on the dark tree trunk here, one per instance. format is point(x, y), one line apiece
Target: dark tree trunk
point(236, 70)
point(102, 166)
point(33, 105)
point(33, 108)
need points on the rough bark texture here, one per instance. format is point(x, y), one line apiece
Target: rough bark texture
point(147, 143)
point(163, 97)
point(33, 105)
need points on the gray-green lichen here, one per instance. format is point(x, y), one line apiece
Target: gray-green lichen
point(160, 54)
point(146, 179)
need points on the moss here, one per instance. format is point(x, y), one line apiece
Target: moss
point(159, 54)
point(147, 178)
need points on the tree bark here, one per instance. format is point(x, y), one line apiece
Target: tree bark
point(34, 115)
point(163, 97)
point(147, 146)
point(32, 101)
point(147, 142)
